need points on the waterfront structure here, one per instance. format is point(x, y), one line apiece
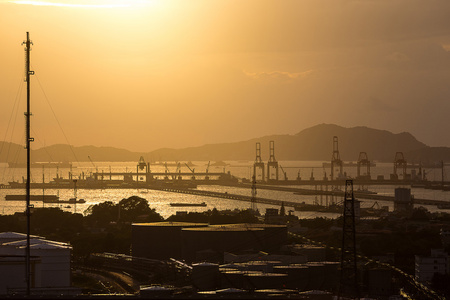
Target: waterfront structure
point(427, 266)
point(403, 199)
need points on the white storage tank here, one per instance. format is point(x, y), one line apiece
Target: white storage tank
point(55, 259)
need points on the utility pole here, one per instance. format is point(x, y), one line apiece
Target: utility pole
point(29, 139)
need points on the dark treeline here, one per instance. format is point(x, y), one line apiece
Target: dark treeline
point(106, 227)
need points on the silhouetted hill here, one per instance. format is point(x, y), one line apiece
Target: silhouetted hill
point(315, 143)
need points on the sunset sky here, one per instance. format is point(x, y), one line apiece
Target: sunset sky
point(146, 74)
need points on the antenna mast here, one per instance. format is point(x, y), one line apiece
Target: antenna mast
point(29, 139)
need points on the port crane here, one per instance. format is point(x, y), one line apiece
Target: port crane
point(96, 169)
point(178, 170)
point(166, 177)
point(192, 170)
point(284, 173)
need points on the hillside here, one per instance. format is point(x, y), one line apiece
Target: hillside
point(315, 143)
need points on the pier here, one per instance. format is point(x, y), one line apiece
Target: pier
point(295, 191)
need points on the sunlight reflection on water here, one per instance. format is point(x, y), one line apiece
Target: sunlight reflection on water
point(160, 200)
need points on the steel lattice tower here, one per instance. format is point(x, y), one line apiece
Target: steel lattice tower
point(349, 277)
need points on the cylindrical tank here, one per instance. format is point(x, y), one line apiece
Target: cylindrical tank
point(262, 265)
point(205, 276)
point(159, 240)
point(232, 279)
point(316, 275)
point(298, 275)
point(230, 266)
point(155, 292)
point(258, 281)
point(219, 239)
point(273, 235)
point(274, 293)
point(331, 276)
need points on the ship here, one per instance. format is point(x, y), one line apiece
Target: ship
point(347, 164)
point(32, 198)
point(71, 201)
point(42, 165)
point(188, 204)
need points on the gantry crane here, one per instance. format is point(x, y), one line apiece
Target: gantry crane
point(284, 173)
point(192, 170)
point(166, 171)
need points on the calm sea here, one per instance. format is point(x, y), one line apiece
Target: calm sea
point(160, 201)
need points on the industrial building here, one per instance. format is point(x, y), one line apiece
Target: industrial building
point(159, 240)
point(50, 265)
point(427, 266)
point(199, 241)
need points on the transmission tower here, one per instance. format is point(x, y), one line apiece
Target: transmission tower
point(349, 277)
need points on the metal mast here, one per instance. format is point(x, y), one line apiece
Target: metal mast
point(29, 139)
point(349, 273)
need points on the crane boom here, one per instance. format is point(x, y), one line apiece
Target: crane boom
point(91, 161)
point(192, 170)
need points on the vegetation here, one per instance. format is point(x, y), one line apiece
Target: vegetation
point(106, 227)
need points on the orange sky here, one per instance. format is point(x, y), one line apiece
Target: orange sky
point(148, 74)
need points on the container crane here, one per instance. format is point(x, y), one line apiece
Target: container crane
point(91, 161)
point(192, 170)
point(96, 169)
point(166, 177)
point(284, 173)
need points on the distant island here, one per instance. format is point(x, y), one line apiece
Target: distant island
point(314, 143)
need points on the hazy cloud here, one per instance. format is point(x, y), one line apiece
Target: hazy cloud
point(376, 104)
point(280, 75)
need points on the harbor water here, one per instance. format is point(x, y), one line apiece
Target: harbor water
point(160, 200)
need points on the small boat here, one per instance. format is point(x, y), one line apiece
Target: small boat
point(71, 200)
point(188, 204)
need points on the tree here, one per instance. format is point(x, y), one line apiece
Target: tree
point(103, 213)
point(136, 208)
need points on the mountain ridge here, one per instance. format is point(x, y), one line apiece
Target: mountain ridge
point(313, 143)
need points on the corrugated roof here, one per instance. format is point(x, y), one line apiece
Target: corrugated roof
point(15, 235)
point(36, 242)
